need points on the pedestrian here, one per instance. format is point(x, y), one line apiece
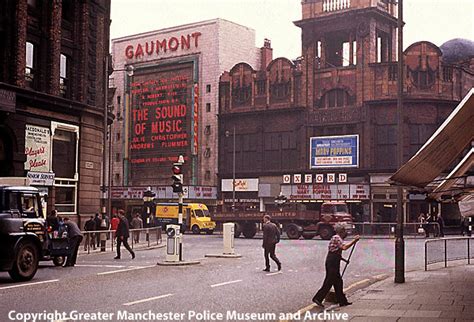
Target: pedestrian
point(90, 227)
point(114, 222)
point(122, 234)
point(465, 222)
point(137, 223)
point(422, 220)
point(430, 227)
point(53, 222)
point(75, 238)
point(440, 222)
point(98, 222)
point(333, 263)
point(271, 237)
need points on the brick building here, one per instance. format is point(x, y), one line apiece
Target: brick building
point(324, 126)
point(52, 55)
point(168, 107)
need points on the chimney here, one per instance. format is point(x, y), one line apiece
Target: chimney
point(266, 53)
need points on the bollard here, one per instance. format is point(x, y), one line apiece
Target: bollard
point(102, 242)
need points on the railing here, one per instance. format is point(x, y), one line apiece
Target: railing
point(448, 249)
point(333, 5)
point(103, 239)
point(388, 229)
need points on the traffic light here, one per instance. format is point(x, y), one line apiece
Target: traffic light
point(177, 178)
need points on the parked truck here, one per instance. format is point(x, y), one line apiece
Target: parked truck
point(295, 222)
point(195, 217)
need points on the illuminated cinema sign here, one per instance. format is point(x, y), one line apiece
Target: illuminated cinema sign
point(167, 44)
point(334, 151)
point(160, 120)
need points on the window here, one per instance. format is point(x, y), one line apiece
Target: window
point(208, 88)
point(207, 153)
point(117, 157)
point(117, 136)
point(30, 64)
point(63, 75)
point(29, 205)
point(67, 10)
point(64, 164)
point(207, 175)
point(261, 86)
point(447, 73)
point(208, 107)
point(207, 130)
point(337, 98)
point(117, 179)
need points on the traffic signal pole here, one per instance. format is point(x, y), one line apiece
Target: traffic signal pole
point(178, 188)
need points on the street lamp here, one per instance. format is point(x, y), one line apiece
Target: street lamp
point(107, 132)
point(227, 134)
point(399, 242)
point(148, 197)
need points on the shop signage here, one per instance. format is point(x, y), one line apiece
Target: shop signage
point(327, 191)
point(41, 178)
point(37, 148)
point(240, 185)
point(7, 101)
point(165, 192)
point(334, 151)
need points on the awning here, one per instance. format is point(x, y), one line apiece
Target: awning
point(453, 184)
point(442, 149)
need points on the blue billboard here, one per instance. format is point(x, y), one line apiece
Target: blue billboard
point(334, 152)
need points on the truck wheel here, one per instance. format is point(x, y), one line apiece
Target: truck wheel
point(26, 262)
point(58, 260)
point(293, 232)
point(326, 232)
point(249, 230)
point(237, 230)
point(196, 230)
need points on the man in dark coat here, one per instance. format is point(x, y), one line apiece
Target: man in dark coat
point(98, 222)
point(90, 226)
point(75, 238)
point(271, 236)
point(122, 234)
point(333, 263)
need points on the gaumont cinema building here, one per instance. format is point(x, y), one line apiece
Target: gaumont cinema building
point(169, 105)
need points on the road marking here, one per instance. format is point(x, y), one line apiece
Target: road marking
point(97, 265)
point(225, 283)
point(125, 270)
point(28, 284)
point(270, 274)
point(148, 299)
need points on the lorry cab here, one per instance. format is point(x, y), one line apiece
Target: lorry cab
point(22, 231)
point(196, 216)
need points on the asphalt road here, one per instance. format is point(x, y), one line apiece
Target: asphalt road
point(100, 284)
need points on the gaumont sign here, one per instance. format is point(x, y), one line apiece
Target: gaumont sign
point(155, 47)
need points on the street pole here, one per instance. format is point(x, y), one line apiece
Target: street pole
point(233, 168)
point(399, 242)
point(104, 148)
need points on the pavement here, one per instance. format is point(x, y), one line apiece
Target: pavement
point(439, 294)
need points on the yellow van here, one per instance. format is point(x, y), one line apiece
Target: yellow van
point(195, 217)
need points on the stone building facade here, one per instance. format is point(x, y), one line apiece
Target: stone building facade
point(52, 55)
point(191, 59)
point(324, 126)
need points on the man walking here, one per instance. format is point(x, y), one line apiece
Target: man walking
point(271, 236)
point(333, 262)
point(89, 227)
point(122, 234)
point(75, 238)
point(136, 223)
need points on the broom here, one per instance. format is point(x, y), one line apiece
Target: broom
point(331, 296)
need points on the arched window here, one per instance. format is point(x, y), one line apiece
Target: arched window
point(337, 98)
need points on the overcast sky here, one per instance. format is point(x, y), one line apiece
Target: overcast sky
point(433, 20)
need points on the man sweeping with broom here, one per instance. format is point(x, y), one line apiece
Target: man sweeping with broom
point(333, 263)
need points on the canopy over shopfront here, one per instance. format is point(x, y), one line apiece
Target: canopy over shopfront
point(441, 150)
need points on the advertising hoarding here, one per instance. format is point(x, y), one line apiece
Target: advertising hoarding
point(334, 151)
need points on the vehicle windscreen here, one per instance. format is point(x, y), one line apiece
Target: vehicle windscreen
point(334, 209)
point(201, 213)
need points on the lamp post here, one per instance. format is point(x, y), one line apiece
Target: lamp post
point(399, 242)
point(227, 134)
point(106, 171)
